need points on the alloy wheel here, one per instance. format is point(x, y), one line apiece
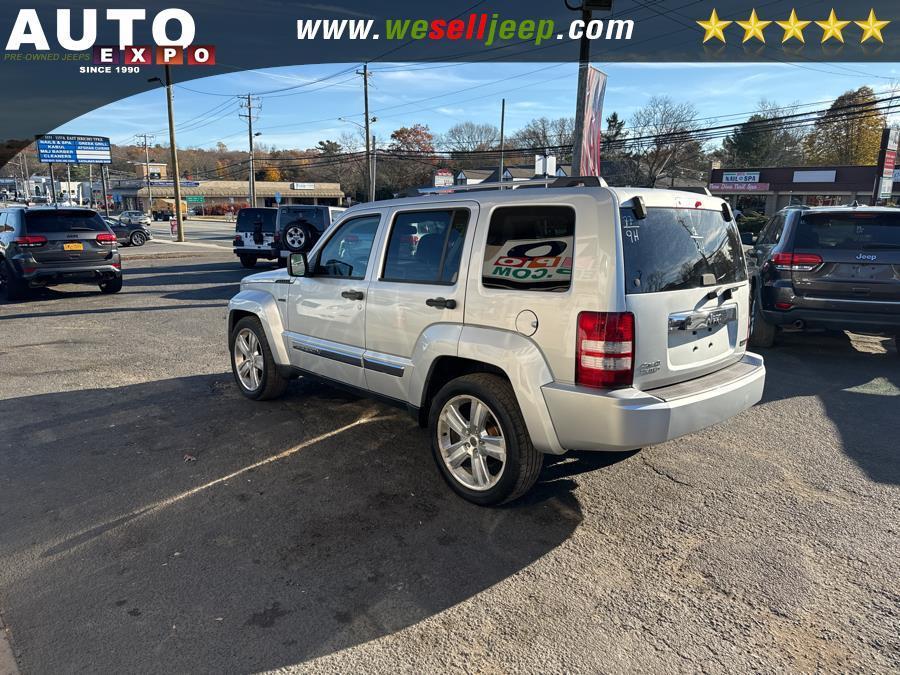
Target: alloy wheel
point(295, 237)
point(471, 442)
point(248, 359)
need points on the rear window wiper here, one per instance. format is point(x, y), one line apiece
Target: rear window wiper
point(871, 246)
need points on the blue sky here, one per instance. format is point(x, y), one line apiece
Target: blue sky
point(440, 95)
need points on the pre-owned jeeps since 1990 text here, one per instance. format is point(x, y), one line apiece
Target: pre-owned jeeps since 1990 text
point(516, 323)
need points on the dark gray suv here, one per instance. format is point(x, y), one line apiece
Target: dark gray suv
point(835, 268)
point(47, 246)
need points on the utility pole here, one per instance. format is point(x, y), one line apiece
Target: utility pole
point(249, 106)
point(69, 183)
point(584, 59)
point(179, 217)
point(103, 185)
point(147, 138)
point(26, 172)
point(374, 169)
point(90, 186)
point(365, 76)
point(502, 123)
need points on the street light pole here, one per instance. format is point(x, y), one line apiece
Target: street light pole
point(146, 138)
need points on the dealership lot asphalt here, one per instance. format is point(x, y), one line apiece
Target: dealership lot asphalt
point(153, 520)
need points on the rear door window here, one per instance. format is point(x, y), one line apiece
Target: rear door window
point(426, 246)
point(248, 219)
point(677, 248)
point(529, 248)
point(848, 231)
point(312, 215)
point(59, 220)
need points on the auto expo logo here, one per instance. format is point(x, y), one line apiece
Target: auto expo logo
point(173, 32)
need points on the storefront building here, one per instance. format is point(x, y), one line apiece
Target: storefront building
point(769, 189)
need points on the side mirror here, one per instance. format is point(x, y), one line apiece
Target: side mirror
point(748, 238)
point(297, 265)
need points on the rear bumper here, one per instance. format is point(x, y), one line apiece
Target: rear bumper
point(71, 274)
point(267, 253)
point(625, 419)
point(863, 322)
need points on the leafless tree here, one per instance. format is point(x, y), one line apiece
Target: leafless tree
point(469, 136)
point(661, 132)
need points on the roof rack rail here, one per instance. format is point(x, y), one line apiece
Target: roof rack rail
point(696, 190)
point(551, 182)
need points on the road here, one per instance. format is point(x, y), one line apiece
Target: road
point(153, 520)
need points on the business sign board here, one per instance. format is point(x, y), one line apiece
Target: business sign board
point(887, 160)
point(303, 186)
point(195, 199)
point(738, 187)
point(815, 176)
point(740, 177)
point(72, 149)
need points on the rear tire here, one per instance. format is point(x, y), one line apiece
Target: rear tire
point(112, 286)
point(493, 481)
point(248, 261)
point(250, 351)
point(762, 333)
point(14, 289)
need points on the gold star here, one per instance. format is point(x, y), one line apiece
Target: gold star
point(832, 28)
point(753, 27)
point(872, 27)
point(713, 27)
point(793, 27)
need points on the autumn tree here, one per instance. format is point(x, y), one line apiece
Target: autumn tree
point(849, 132)
point(272, 174)
point(409, 159)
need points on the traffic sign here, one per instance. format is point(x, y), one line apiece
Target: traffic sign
point(195, 199)
point(71, 149)
point(277, 197)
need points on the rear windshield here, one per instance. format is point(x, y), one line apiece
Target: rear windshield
point(674, 249)
point(848, 231)
point(313, 215)
point(248, 219)
point(60, 220)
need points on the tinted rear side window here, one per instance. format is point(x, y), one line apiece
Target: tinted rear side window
point(673, 249)
point(529, 248)
point(247, 220)
point(848, 231)
point(59, 220)
point(311, 215)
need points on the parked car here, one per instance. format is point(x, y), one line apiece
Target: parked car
point(301, 225)
point(129, 234)
point(134, 218)
point(831, 267)
point(46, 246)
point(524, 322)
point(255, 235)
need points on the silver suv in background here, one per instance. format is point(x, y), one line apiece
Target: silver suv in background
point(515, 323)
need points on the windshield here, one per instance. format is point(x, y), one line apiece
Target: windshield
point(58, 220)
point(248, 219)
point(848, 231)
point(678, 248)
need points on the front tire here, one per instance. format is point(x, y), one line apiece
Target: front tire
point(138, 239)
point(479, 440)
point(248, 261)
point(252, 364)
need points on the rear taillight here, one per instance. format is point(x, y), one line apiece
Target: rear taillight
point(796, 262)
point(238, 239)
point(277, 236)
point(31, 241)
point(117, 265)
point(106, 238)
point(604, 351)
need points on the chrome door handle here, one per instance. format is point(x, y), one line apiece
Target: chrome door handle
point(441, 303)
point(353, 295)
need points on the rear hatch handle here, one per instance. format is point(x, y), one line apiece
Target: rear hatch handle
point(721, 291)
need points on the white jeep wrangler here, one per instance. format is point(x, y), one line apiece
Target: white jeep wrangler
point(524, 322)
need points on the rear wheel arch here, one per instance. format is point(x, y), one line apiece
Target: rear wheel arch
point(446, 368)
